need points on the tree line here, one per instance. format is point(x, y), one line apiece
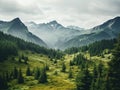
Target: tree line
point(9, 46)
point(100, 78)
point(95, 48)
point(17, 74)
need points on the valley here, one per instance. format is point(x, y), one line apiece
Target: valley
point(50, 56)
point(57, 80)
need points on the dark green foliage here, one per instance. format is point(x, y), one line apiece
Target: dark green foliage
point(43, 76)
point(7, 49)
point(70, 75)
point(83, 80)
point(71, 63)
point(3, 83)
point(55, 61)
point(19, 59)
point(28, 72)
point(79, 60)
point(26, 60)
point(98, 47)
point(20, 77)
point(114, 69)
point(10, 45)
point(95, 48)
point(71, 50)
point(37, 73)
point(95, 73)
point(15, 73)
point(46, 67)
point(63, 67)
point(56, 72)
point(100, 69)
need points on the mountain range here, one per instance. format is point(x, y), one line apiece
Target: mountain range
point(55, 35)
point(18, 29)
point(108, 30)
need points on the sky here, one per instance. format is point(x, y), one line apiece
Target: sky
point(82, 13)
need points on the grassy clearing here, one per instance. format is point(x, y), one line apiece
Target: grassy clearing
point(59, 81)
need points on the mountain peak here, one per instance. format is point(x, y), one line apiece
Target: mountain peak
point(118, 17)
point(53, 22)
point(16, 19)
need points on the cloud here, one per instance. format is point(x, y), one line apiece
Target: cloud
point(84, 13)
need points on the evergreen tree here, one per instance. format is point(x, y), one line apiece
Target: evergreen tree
point(114, 69)
point(100, 69)
point(43, 76)
point(20, 77)
point(28, 71)
point(63, 67)
point(3, 83)
point(25, 60)
point(70, 73)
point(94, 78)
point(37, 73)
point(15, 73)
point(19, 59)
point(83, 80)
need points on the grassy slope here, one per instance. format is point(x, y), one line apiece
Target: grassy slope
point(55, 82)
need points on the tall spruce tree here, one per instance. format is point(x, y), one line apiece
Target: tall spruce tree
point(28, 72)
point(20, 77)
point(63, 67)
point(43, 76)
point(37, 73)
point(15, 73)
point(114, 69)
point(70, 75)
point(83, 80)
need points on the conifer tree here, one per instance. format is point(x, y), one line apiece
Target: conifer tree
point(114, 69)
point(28, 71)
point(15, 73)
point(3, 83)
point(43, 76)
point(70, 73)
point(37, 73)
point(63, 67)
point(20, 77)
point(83, 80)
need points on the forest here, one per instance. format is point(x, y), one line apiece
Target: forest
point(83, 68)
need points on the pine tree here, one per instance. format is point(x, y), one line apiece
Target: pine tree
point(3, 83)
point(94, 78)
point(25, 60)
point(37, 73)
point(100, 69)
point(19, 59)
point(20, 77)
point(28, 71)
point(114, 69)
point(15, 73)
point(70, 73)
point(83, 80)
point(43, 76)
point(63, 67)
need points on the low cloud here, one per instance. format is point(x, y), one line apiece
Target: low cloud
point(83, 13)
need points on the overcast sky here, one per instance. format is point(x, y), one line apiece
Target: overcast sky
point(83, 13)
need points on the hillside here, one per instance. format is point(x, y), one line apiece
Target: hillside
point(16, 28)
point(108, 30)
point(61, 70)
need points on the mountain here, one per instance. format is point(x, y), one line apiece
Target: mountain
point(53, 33)
point(74, 27)
point(18, 29)
point(108, 30)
